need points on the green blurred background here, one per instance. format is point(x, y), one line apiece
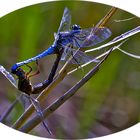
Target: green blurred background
point(108, 103)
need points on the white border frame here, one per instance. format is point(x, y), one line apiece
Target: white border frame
point(132, 6)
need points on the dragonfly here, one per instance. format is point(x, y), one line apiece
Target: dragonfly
point(67, 40)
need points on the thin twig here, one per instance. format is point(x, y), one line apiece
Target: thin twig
point(106, 18)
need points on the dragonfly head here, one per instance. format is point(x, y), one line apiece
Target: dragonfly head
point(20, 73)
point(76, 27)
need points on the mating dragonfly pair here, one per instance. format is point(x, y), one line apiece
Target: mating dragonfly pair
point(67, 41)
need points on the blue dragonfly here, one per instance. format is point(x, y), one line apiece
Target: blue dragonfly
point(66, 42)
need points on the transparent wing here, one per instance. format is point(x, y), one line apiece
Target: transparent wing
point(84, 38)
point(65, 21)
point(79, 58)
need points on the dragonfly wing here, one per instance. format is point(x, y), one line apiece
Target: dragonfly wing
point(65, 21)
point(85, 38)
point(99, 36)
point(79, 57)
point(66, 53)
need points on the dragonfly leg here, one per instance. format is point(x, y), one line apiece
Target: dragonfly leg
point(37, 72)
point(30, 70)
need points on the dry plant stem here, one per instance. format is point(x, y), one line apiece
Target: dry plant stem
point(36, 120)
point(67, 67)
point(106, 18)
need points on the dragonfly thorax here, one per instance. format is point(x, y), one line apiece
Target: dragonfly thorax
point(63, 39)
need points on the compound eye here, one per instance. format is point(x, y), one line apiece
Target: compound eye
point(76, 27)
